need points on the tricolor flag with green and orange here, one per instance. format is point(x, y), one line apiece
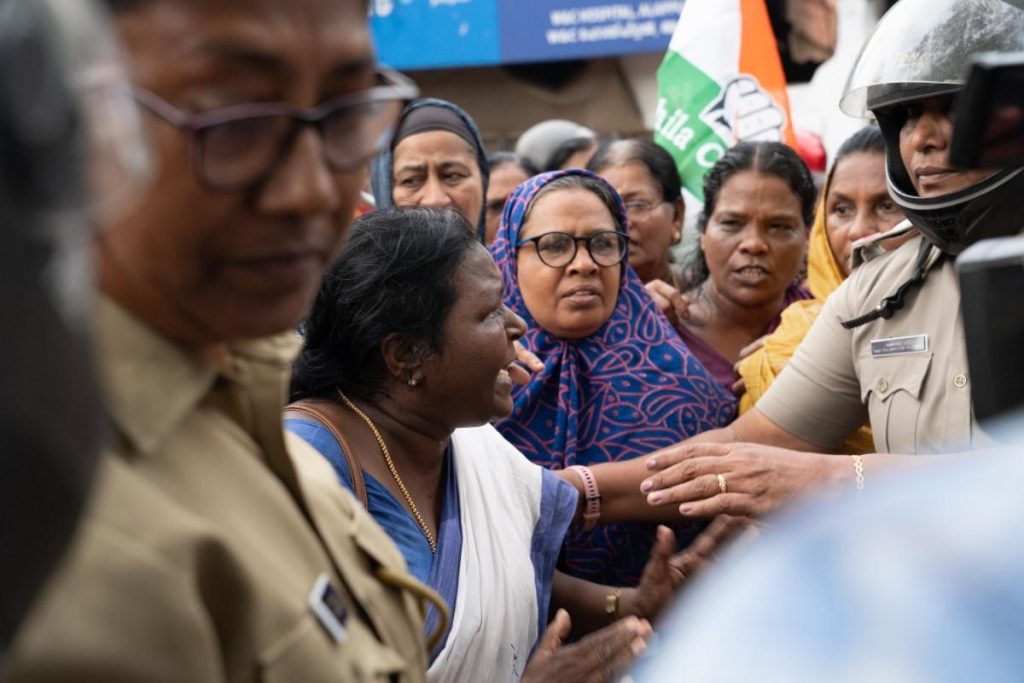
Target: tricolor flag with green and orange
point(721, 82)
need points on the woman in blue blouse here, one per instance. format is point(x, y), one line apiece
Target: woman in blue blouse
point(409, 353)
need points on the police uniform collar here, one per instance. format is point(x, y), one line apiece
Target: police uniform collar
point(871, 247)
point(927, 256)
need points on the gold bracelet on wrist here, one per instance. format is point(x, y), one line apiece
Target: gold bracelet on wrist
point(611, 604)
point(858, 471)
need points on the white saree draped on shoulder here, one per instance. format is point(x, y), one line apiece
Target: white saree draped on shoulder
point(495, 617)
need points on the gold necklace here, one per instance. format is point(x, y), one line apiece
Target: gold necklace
point(394, 472)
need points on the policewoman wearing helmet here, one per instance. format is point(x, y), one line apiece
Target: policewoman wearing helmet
point(889, 343)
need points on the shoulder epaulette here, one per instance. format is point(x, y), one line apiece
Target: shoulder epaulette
point(872, 247)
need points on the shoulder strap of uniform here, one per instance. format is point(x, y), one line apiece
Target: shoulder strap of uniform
point(873, 246)
point(895, 301)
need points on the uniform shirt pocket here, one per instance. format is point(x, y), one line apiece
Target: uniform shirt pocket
point(891, 389)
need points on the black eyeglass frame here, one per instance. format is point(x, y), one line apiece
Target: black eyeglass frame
point(588, 240)
point(396, 88)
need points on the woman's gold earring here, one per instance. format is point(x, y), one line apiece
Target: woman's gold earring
point(676, 236)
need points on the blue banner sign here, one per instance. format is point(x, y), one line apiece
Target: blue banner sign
point(541, 30)
point(423, 34)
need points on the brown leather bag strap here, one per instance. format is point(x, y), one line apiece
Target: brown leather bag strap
point(300, 410)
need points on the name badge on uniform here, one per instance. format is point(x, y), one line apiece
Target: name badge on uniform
point(894, 346)
point(328, 607)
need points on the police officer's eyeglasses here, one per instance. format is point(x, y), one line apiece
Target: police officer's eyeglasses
point(558, 249)
point(238, 146)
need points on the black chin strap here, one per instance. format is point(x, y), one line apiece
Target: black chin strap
point(894, 302)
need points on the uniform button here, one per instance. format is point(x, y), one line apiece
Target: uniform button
point(883, 385)
point(960, 381)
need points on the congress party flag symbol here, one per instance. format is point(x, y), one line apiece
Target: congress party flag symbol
point(720, 82)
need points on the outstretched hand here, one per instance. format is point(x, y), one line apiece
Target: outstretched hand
point(758, 479)
point(665, 572)
point(596, 658)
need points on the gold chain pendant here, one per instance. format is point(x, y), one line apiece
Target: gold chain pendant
point(394, 471)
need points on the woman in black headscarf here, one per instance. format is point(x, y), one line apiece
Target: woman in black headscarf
point(437, 158)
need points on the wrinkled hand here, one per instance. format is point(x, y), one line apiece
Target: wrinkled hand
point(524, 357)
point(759, 479)
point(670, 301)
point(597, 657)
point(666, 573)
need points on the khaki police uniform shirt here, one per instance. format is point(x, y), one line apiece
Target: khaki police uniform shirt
point(199, 557)
point(913, 382)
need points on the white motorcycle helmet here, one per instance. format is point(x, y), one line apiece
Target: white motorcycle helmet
point(921, 49)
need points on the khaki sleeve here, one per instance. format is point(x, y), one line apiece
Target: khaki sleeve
point(114, 612)
point(817, 396)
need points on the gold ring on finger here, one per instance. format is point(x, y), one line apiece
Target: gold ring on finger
point(721, 483)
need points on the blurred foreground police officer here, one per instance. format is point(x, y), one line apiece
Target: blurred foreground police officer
point(50, 417)
point(214, 548)
point(889, 344)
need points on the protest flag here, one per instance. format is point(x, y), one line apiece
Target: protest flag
point(721, 82)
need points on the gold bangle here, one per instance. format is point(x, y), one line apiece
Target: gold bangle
point(611, 603)
point(858, 471)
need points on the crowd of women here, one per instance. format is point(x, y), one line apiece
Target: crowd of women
point(497, 348)
point(519, 422)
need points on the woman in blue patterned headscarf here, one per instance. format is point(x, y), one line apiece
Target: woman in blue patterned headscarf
point(617, 382)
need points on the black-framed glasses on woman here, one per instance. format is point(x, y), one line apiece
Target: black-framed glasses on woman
point(558, 249)
point(241, 145)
